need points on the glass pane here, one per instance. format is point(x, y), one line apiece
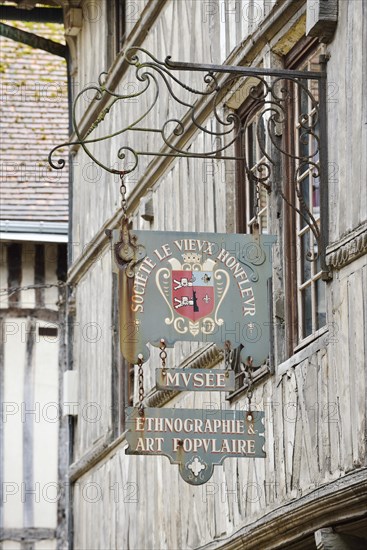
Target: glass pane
point(304, 146)
point(307, 311)
point(305, 190)
point(316, 197)
point(251, 197)
point(263, 222)
point(251, 137)
point(314, 144)
point(305, 264)
point(261, 133)
point(316, 251)
point(314, 66)
point(263, 197)
point(303, 104)
point(321, 305)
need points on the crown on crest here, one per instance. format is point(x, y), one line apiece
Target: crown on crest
point(191, 258)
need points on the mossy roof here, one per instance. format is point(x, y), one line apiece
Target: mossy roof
point(34, 118)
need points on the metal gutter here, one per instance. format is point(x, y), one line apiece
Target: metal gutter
point(34, 237)
point(49, 232)
point(15, 226)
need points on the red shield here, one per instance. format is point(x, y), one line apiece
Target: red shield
point(193, 293)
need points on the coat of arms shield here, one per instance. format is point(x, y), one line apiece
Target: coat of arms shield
point(193, 293)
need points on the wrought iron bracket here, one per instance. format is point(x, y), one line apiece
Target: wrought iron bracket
point(127, 252)
point(270, 92)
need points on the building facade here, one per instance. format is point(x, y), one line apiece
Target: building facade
point(33, 270)
point(310, 490)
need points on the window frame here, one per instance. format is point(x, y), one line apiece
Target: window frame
point(248, 110)
point(304, 50)
point(248, 113)
point(116, 29)
point(296, 338)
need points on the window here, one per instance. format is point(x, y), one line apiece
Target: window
point(311, 289)
point(305, 290)
point(252, 205)
point(296, 161)
point(253, 196)
point(115, 29)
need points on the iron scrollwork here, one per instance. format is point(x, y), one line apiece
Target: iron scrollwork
point(270, 93)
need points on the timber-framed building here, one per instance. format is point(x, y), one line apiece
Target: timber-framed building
point(311, 489)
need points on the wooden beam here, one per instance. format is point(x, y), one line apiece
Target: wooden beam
point(27, 534)
point(94, 456)
point(341, 500)
point(33, 40)
point(327, 539)
point(28, 423)
point(37, 15)
point(43, 314)
point(64, 505)
point(14, 262)
point(322, 18)
point(357, 528)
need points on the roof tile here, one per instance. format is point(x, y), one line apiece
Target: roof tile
point(34, 118)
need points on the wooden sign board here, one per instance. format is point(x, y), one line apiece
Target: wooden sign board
point(200, 287)
point(195, 439)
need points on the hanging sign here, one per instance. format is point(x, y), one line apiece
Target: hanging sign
point(194, 439)
point(195, 379)
point(199, 287)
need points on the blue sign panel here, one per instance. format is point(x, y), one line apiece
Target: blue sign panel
point(195, 439)
point(199, 287)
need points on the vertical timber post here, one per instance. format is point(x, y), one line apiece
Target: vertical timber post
point(324, 170)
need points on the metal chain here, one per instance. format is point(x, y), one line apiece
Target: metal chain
point(250, 382)
point(163, 355)
point(141, 384)
point(249, 390)
point(123, 194)
point(257, 202)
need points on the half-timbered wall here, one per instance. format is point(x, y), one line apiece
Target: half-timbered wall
point(32, 347)
point(315, 402)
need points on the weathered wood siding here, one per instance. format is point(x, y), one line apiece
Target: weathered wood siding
point(92, 355)
point(315, 421)
point(347, 108)
point(216, 28)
